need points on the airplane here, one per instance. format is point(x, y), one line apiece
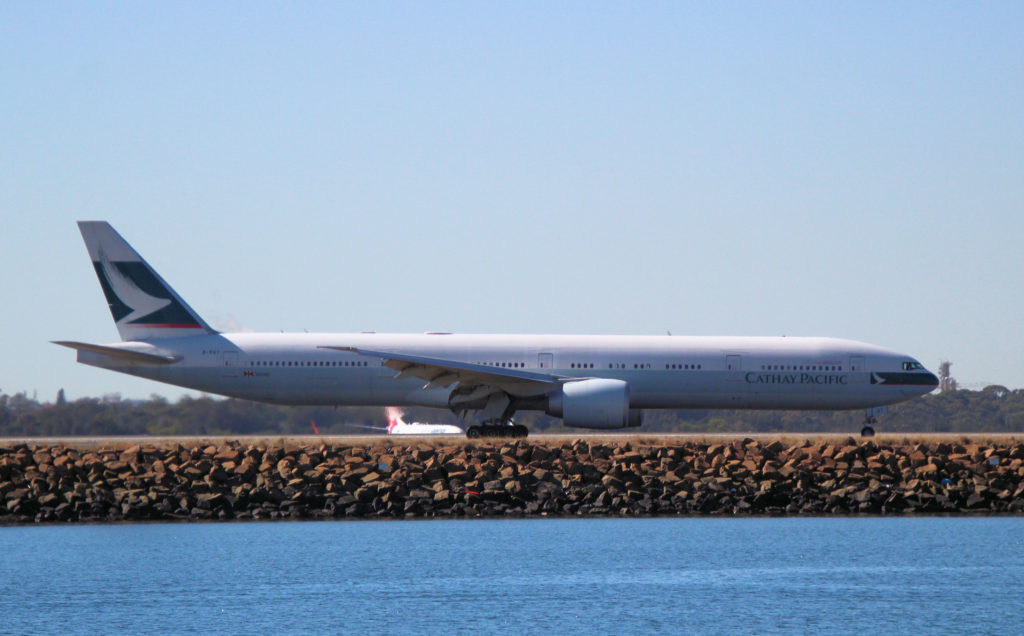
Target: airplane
point(589, 381)
point(398, 426)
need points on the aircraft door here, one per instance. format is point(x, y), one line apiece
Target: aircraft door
point(856, 364)
point(737, 390)
point(734, 363)
point(545, 360)
point(229, 364)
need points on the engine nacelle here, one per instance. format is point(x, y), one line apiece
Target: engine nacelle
point(596, 403)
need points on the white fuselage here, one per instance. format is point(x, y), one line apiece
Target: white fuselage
point(663, 372)
point(419, 428)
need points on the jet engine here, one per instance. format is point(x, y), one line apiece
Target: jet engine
point(595, 403)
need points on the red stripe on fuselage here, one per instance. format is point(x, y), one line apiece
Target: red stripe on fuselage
point(167, 326)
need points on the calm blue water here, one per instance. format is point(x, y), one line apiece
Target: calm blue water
point(726, 576)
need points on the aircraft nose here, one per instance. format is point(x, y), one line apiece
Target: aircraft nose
point(920, 384)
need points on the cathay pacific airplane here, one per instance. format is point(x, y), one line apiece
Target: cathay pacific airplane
point(595, 382)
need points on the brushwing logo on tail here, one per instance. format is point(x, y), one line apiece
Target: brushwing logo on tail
point(134, 295)
point(138, 302)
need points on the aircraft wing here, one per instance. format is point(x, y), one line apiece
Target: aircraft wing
point(439, 372)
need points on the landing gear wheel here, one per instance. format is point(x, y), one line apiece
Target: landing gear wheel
point(867, 431)
point(512, 431)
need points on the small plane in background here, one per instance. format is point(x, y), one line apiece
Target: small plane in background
point(398, 426)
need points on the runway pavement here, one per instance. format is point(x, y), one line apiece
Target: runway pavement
point(552, 438)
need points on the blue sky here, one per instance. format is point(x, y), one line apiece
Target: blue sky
point(705, 168)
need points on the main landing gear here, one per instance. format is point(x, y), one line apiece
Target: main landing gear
point(497, 429)
point(497, 420)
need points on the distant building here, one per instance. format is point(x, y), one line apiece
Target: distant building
point(946, 381)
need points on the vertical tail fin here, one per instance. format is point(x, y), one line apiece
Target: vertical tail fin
point(394, 419)
point(142, 304)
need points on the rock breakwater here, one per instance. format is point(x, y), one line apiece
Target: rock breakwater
point(428, 479)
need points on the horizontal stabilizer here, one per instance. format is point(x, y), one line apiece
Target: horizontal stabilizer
point(138, 357)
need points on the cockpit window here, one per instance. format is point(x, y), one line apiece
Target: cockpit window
point(913, 366)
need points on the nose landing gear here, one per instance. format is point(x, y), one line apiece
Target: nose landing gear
point(870, 420)
point(868, 430)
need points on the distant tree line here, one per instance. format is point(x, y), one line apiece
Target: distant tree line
point(992, 409)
